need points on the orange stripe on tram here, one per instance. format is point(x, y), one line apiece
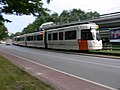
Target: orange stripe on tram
point(83, 44)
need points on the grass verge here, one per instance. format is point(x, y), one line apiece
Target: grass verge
point(13, 78)
point(107, 52)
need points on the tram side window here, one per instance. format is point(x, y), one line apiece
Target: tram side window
point(55, 36)
point(22, 39)
point(49, 36)
point(29, 38)
point(17, 39)
point(86, 35)
point(70, 35)
point(60, 35)
point(34, 37)
point(39, 37)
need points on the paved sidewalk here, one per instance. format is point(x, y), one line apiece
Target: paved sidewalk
point(59, 80)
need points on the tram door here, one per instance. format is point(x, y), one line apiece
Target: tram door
point(45, 39)
point(85, 36)
point(61, 38)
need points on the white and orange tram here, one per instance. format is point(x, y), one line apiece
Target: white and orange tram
point(68, 37)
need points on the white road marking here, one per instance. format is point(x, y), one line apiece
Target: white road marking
point(60, 71)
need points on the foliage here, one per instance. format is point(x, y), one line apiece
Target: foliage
point(3, 31)
point(40, 20)
point(20, 7)
point(77, 15)
point(35, 7)
point(65, 17)
point(34, 26)
point(17, 34)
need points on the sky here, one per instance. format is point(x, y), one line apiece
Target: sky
point(101, 6)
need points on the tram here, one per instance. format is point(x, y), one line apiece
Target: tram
point(66, 37)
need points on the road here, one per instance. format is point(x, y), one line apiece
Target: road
point(98, 69)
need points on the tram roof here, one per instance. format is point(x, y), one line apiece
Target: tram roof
point(66, 25)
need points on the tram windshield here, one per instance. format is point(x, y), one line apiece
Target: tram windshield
point(88, 34)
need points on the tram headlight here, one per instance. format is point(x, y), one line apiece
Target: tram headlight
point(97, 27)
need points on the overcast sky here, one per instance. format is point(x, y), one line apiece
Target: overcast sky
point(101, 6)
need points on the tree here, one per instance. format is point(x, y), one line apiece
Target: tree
point(17, 34)
point(34, 26)
point(76, 15)
point(92, 15)
point(65, 17)
point(40, 20)
point(3, 31)
point(22, 7)
point(55, 18)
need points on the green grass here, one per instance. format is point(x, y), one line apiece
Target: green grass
point(116, 47)
point(13, 78)
point(107, 52)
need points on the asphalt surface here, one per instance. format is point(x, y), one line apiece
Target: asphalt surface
point(98, 69)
